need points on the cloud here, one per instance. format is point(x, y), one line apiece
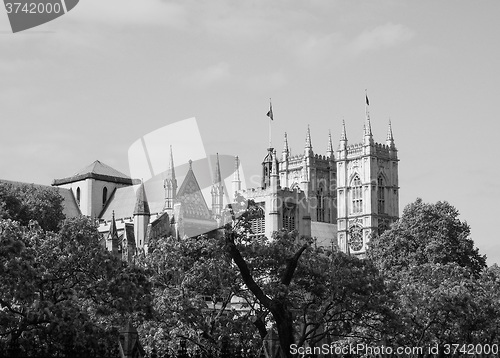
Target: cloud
point(131, 12)
point(318, 49)
point(209, 76)
point(387, 35)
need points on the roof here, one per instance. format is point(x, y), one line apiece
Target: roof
point(70, 207)
point(191, 198)
point(100, 171)
point(141, 204)
point(123, 202)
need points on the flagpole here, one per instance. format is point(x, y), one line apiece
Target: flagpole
point(270, 120)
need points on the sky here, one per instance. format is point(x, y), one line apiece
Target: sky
point(89, 84)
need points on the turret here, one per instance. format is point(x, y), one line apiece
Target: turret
point(141, 217)
point(329, 149)
point(267, 165)
point(285, 152)
point(390, 139)
point(236, 177)
point(170, 184)
point(112, 241)
point(217, 190)
point(308, 151)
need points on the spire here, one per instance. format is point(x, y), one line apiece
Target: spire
point(343, 136)
point(112, 239)
point(368, 126)
point(112, 229)
point(217, 176)
point(390, 139)
point(236, 176)
point(308, 138)
point(217, 190)
point(141, 204)
point(171, 167)
point(329, 150)
point(170, 184)
point(285, 146)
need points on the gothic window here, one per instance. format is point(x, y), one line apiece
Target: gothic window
point(357, 195)
point(78, 195)
point(104, 195)
point(289, 217)
point(381, 195)
point(258, 222)
point(320, 206)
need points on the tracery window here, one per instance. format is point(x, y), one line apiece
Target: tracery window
point(289, 216)
point(357, 195)
point(258, 223)
point(320, 206)
point(381, 195)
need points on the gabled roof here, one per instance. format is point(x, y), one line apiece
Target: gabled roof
point(100, 171)
point(192, 200)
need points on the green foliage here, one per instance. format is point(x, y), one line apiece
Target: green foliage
point(443, 291)
point(194, 288)
point(62, 293)
point(426, 233)
point(25, 202)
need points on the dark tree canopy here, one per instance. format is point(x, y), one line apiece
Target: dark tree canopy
point(25, 202)
point(63, 294)
point(426, 233)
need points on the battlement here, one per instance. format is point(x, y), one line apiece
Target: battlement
point(377, 149)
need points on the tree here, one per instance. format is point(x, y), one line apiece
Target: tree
point(194, 286)
point(26, 202)
point(62, 293)
point(426, 233)
point(310, 294)
point(444, 293)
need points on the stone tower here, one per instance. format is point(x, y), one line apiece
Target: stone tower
point(367, 189)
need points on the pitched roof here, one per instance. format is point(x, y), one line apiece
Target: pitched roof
point(123, 202)
point(191, 198)
point(141, 204)
point(70, 207)
point(97, 170)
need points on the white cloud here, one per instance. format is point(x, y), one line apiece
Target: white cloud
point(387, 35)
point(209, 76)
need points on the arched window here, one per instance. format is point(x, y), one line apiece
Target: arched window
point(289, 210)
point(258, 222)
point(381, 195)
point(357, 195)
point(78, 195)
point(104, 195)
point(320, 206)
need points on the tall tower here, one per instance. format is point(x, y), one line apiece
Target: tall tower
point(217, 190)
point(141, 217)
point(367, 189)
point(170, 184)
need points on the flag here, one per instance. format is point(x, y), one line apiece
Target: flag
point(367, 101)
point(270, 113)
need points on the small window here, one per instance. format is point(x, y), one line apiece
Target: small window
point(78, 195)
point(104, 195)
